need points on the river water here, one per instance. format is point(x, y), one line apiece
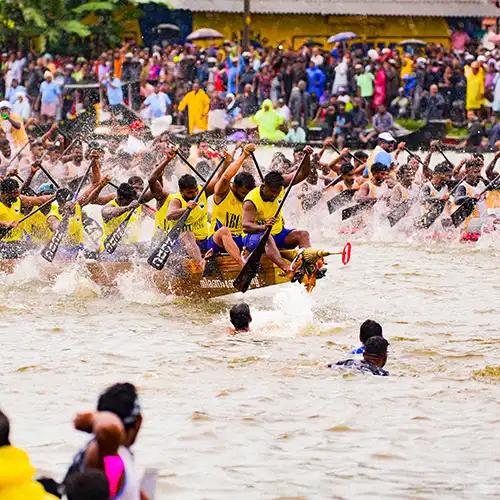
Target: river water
point(261, 416)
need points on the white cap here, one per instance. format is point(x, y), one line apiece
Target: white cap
point(5, 104)
point(481, 58)
point(386, 137)
point(129, 55)
point(421, 60)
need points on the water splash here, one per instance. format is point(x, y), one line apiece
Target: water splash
point(76, 281)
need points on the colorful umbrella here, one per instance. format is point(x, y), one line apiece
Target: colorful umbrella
point(204, 34)
point(342, 37)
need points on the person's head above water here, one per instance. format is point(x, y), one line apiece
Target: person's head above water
point(240, 317)
point(4, 430)
point(272, 186)
point(90, 484)
point(122, 400)
point(369, 329)
point(376, 351)
point(188, 186)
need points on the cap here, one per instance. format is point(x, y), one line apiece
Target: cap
point(47, 74)
point(46, 188)
point(386, 137)
point(481, 58)
point(5, 104)
point(129, 55)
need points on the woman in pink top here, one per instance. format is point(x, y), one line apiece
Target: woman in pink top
point(380, 84)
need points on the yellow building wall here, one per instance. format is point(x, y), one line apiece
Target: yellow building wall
point(293, 30)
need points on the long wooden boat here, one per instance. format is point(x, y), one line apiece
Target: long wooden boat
point(183, 279)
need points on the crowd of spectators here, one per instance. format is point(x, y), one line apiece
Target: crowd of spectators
point(346, 93)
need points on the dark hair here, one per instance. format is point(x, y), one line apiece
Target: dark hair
point(369, 329)
point(298, 149)
point(442, 168)
point(274, 179)
point(4, 429)
point(403, 170)
point(346, 168)
point(120, 399)
point(9, 185)
point(376, 346)
point(4, 142)
point(89, 485)
point(187, 181)
point(135, 178)
point(126, 192)
point(360, 156)
point(240, 316)
point(378, 167)
point(244, 179)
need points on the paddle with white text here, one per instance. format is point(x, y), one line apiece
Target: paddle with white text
point(161, 253)
point(250, 269)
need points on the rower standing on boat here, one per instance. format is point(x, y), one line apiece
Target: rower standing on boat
point(226, 227)
point(259, 208)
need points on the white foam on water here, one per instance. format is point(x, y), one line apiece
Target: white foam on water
point(136, 287)
point(29, 269)
point(75, 281)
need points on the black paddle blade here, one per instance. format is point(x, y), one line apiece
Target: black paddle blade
point(251, 268)
point(161, 253)
point(399, 211)
point(112, 241)
point(463, 211)
point(4, 231)
point(426, 220)
point(310, 200)
point(349, 212)
point(340, 200)
point(50, 250)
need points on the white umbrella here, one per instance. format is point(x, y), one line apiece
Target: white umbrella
point(204, 34)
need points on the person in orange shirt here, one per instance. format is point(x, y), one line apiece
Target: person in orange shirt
point(12, 126)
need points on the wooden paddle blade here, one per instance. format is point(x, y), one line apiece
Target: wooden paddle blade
point(463, 211)
point(399, 211)
point(112, 241)
point(50, 250)
point(426, 220)
point(340, 200)
point(161, 253)
point(349, 212)
point(251, 268)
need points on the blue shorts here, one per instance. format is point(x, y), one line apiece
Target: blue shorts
point(203, 245)
point(250, 241)
point(217, 249)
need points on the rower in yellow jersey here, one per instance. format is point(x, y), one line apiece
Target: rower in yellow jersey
point(225, 228)
point(13, 205)
point(259, 209)
point(160, 194)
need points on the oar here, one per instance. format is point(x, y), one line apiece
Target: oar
point(27, 190)
point(186, 161)
point(4, 231)
point(250, 269)
point(349, 212)
point(259, 171)
point(340, 200)
point(399, 211)
point(415, 157)
point(112, 241)
point(16, 155)
point(467, 207)
point(50, 250)
point(444, 156)
point(162, 252)
point(339, 153)
point(425, 221)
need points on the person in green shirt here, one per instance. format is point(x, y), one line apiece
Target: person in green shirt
point(269, 122)
point(364, 81)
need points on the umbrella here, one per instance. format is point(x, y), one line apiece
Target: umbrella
point(167, 27)
point(204, 34)
point(342, 37)
point(413, 41)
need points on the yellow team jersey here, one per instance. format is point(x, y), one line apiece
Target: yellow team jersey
point(133, 232)
point(267, 209)
point(161, 221)
point(228, 214)
point(197, 222)
point(11, 214)
point(75, 226)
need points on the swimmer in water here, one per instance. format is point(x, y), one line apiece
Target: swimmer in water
point(367, 330)
point(240, 318)
point(374, 358)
